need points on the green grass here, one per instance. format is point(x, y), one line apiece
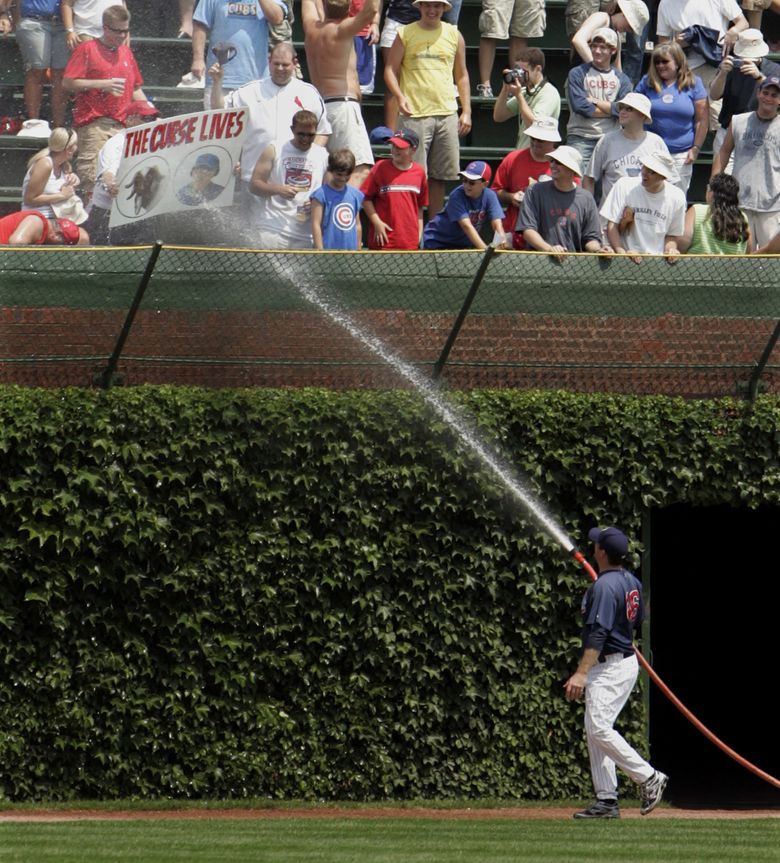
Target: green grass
point(394, 841)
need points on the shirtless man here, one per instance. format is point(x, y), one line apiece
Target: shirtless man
point(330, 52)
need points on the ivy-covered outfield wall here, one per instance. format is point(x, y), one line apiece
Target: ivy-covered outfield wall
point(310, 593)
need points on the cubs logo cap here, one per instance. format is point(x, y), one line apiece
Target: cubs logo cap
point(612, 540)
point(478, 170)
point(770, 81)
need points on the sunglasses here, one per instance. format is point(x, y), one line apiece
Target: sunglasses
point(124, 30)
point(342, 172)
point(469, 182)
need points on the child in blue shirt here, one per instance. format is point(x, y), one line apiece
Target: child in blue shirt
point(335, 206)
point(469, 206)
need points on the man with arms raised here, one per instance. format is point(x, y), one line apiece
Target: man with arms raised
point(425, 58)
point(330, 52)
point(270, 105)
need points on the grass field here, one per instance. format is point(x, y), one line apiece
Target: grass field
point(394, 840)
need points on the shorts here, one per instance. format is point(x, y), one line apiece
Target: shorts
point(578, 10)
point(91, 138)
point(42, 44)
point(439, 150)
point(365, 53)
point(278, 33)
point(349, 131)
point(755, 5)
point(389, 32)
point(500, 19)
point(763, 226)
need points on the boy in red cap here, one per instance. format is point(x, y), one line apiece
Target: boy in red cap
point(469, 206)
point(396, 191)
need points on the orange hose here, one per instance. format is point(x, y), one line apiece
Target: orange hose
point(697, 723)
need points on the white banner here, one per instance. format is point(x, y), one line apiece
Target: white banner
point(178, 164)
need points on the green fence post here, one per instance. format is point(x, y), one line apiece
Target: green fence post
point(106, 379)
point(464, 310)
point(761, 364)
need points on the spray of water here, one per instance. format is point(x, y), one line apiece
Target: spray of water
point(461, 425)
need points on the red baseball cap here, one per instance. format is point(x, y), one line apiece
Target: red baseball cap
point(70, 231)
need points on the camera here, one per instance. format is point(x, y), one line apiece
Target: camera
point(736, 62)
point(516, 76)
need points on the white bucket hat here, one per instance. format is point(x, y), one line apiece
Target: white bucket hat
point(662, 163)
point(750, 45)
point(636, 13)
point(639, 102)
point(569, 157)
point(34, 129)
point(445, 2)
point(544, 129)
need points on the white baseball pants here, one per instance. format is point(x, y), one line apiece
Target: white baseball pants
point(608, 688)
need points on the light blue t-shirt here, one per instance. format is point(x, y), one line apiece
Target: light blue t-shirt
point(245, 27)
point(340, 214)
point(444, 232)
point(674, 112)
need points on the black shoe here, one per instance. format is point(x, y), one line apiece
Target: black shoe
point(600, 809)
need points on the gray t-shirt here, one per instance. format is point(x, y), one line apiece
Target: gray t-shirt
point(757, 161)
point(568, 219)
point(617, 156)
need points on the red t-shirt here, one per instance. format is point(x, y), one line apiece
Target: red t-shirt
point(95, 60)
point(397, 196)
point(516, 173)
point(8, 224)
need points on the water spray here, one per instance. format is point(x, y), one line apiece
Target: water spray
point(695, 721)
point(465, 430)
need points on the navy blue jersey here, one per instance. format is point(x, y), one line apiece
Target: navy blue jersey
point(611, 609)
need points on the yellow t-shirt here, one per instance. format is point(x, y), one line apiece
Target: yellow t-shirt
point(426, 71)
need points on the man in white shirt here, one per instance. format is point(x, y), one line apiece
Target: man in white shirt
point(271, 103)
point(646, 214)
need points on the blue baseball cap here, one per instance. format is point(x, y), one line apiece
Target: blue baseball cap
point(208, 161)
point(478, 170)
point(380, 134)
point(612, 540)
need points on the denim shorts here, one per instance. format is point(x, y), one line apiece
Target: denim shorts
point(42, 44)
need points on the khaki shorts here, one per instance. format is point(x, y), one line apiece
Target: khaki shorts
point(578, 10)
point(439, 150)
point(755, 5)
point(501, 19)
point(90, 139)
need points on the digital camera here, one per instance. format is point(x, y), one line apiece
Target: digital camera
point(516, 76)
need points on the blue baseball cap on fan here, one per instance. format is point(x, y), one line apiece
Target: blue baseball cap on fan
point(612, 540)
point(478, 170)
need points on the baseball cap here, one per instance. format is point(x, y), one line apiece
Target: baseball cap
point(70, 231)
point(606, 34)
point(544, 129)
point(142, 108)
point(380, 134)
point(478, 170)
point(569, 157)
point(770, 81)
point(750, 45)
point(660, 162)
point(636, 13)
point(612, 540)
point(639, 102)
point(404, 139)
point(208, 161)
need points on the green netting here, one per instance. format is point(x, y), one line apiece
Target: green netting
point(235, 317)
